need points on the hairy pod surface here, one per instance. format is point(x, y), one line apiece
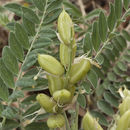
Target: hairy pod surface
point(125, 105)
point(47, 103)
point(62, 96)
point(56, 121)
point(65, 28)
point(79, 70)
point(55, 83)
point(124, 121)
point(65, 53)
point(50, 64)
point(90, 123)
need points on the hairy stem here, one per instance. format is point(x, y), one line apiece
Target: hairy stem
point(108, 37)
point(102, 48)
point(33, 41)
point(3, 121)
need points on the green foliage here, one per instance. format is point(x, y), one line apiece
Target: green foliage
point(111, 20)
point(35, 33)
point(16, 47)
point(95, 36)
point(102, 26)
point(4, 93)
point(21, 36)
point(81, 100)
point(118, 8)
point(3, 20)
point(9, 60)
point(6, 75)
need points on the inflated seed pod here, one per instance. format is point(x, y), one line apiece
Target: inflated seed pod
point(50, 64)
point(47, 103)
point(126, 92)
point(90, 123)
point(79, 70)
point(65, 28)
point(65, 53)
point(124, 121)
point(62, 96)
point(55, 83)
point(56, 121)
point(125, 105)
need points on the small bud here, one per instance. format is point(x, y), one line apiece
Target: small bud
point(50, 64)
point(56, 121)
point(90, 123)
point(47, 103)
point(65, 28)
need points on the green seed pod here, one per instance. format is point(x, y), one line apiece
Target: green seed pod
point(56, 121)
point(65, 28)
point(79, 70)
point(126, 92)
point(62, 96)
point(55, 83)
point(50, 64)
point(65, 54)
point(90, 123)
point(125, 105)
point(124, 121)
point(47, 103)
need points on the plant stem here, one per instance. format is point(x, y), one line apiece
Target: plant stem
point(3, 121)
point(20, 115)
point(77, 113)
point(20, 72)
point(101, 48)
point(107, 40)
point(69, 67)
point(70, 60)
point(36, 76)
point(67, 122)
point(33, 41)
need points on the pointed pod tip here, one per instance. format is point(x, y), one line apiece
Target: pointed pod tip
point(38, 55)
point(38, 96)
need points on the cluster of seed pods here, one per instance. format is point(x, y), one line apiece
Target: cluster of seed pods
point(62, 75)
